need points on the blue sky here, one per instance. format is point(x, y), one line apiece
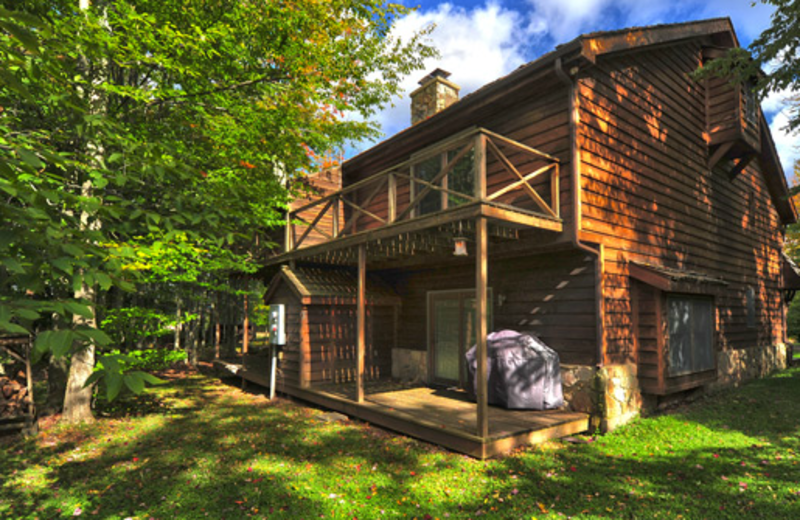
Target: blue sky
point(481, 40)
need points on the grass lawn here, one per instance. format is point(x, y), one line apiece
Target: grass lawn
point(197, 448)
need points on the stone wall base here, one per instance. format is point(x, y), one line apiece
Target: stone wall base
point(736, 366)
point(410, 366)
point(610, 393)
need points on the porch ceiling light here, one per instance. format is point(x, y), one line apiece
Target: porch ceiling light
point(460, 246)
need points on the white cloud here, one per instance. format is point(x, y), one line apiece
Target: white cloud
point(476, 45)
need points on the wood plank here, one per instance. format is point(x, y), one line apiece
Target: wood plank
point(361, 321)
point(481, 311)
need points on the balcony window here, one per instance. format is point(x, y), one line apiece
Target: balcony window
point(461, 178)
point(427, 170)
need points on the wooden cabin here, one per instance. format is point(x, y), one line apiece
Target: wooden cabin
point(599, 197)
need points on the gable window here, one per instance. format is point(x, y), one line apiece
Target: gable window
point(690, 324)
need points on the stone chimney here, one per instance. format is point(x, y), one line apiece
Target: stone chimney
point(434, 95)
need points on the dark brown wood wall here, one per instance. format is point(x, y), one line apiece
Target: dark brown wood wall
point(647, 324)
point(551, 295)
point(648, 194)
point(332, 338)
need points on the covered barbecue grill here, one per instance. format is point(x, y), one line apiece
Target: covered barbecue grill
point(523, 372)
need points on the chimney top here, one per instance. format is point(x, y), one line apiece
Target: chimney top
point(438, 73)
point(435, 94)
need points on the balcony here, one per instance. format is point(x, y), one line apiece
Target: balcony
point(421, 203)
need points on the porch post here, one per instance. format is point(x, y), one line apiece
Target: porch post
point(360, 322)
point(246, 327)
point(481, 278)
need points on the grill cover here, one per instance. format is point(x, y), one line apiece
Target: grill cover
point(524, 373)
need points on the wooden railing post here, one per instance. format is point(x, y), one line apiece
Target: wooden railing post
point(480, 166)
point(361, 322)
point(555, 193)
point(289, 232)
point(392, 198)
point(481, 307)
point(335, 220)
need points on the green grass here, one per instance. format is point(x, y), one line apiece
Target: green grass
point(197, 448)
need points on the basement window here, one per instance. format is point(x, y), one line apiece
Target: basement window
point(690, 323)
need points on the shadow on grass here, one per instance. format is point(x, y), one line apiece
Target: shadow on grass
point(209, 451)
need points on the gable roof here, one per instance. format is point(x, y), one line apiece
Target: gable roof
point(318, 285)
point(581, 51)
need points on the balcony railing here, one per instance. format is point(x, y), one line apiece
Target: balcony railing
point(476, 167)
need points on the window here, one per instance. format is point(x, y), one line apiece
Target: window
point(459, 179)
point(427, 170)
point(690, 323)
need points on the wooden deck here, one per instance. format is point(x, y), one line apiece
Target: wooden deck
point(444, 417)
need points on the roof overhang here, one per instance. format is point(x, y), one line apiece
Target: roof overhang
point(329, 286)
point(774, 177)
point(669, 279)
point(791, 274)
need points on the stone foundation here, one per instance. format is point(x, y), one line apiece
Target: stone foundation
point(611, 393)
point(577, 382)
point(736, 366)
point(621, 398)
point(410, 366)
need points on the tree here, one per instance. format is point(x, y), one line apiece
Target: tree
point(135, 135)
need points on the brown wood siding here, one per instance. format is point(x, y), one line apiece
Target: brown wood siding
point(323, 183)
point(551, 295)
point(332, 344)
point(647, 328)
point(648, 192)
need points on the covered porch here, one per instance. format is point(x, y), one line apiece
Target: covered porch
point(478, 188)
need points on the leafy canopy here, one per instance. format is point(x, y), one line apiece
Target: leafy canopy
point(160, 137)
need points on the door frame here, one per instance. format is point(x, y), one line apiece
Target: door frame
point(462, 294)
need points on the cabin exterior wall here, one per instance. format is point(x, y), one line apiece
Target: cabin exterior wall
point(550, 295)
point(648, 196)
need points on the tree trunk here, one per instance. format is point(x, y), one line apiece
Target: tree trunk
point(191, 336)
point(77, 399)
point(178, 323)
point(56, 385)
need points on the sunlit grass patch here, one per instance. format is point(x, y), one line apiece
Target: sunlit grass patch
point(212, 451)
